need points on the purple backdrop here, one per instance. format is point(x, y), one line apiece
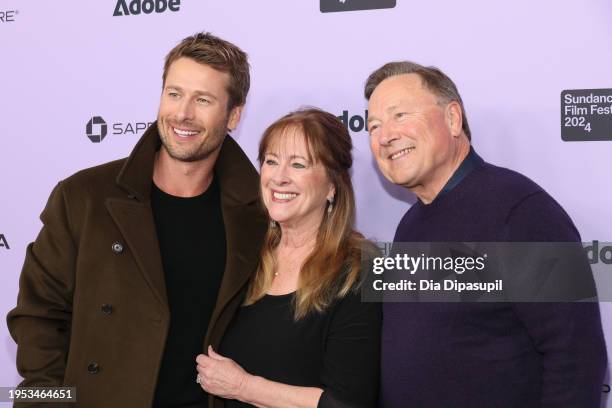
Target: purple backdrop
point(63, 63)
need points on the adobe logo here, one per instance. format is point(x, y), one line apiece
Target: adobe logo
point(355, 123)
point(596, 255)
point(136, 7)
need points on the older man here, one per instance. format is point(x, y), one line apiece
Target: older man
point(472, 354)
point(142, 262)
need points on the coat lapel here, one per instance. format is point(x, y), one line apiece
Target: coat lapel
point(245, 224)
point(136, 224)
point(242, 229)
point(134, 216)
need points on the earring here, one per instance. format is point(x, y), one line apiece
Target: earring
point(273, 224)
point(330, 207)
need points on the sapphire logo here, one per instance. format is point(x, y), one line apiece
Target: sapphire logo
point(135, 7)
point(355, 123)
point(8, 16)
point(3, 242)
point(128, 128)
point(96, 129)
point(330, 6)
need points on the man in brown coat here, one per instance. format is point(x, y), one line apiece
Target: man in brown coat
point(142, 262)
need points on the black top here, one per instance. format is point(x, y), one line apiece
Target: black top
point(337, 350)
point(191, 238)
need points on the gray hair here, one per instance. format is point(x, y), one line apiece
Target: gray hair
point(433, 79)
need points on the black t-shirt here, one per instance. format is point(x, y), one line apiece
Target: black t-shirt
point(191, 238)
point(337, 350)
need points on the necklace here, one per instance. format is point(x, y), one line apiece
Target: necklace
point(296, 256)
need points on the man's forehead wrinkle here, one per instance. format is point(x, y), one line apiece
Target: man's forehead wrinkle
point(392, 108)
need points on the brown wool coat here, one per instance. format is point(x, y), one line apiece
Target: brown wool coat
point(92, 309)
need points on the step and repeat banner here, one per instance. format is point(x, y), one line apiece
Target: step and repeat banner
point(81, 82)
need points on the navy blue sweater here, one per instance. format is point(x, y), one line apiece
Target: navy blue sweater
point(491, 354)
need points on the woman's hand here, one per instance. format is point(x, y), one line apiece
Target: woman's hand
point(221, 376)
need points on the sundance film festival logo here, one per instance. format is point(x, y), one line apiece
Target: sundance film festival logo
point(97, 128)
point(3, 242)
point(8, 16)
point(330, 6)
point(135, 7)
point(586, 115)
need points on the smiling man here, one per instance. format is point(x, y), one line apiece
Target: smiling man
point(142, 262)
point(472, 354)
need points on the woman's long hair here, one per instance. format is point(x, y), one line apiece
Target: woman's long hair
point(332, 268)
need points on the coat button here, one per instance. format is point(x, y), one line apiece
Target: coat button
point(93, 368)
point(117, 248)
point(107, 308)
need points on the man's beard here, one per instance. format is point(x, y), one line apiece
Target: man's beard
point(212, 141)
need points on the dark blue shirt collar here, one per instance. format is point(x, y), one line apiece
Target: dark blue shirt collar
point(471, 161)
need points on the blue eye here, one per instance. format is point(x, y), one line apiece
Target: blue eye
point(270, 162)
point(298, 166)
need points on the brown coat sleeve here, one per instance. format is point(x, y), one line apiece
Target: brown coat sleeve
point(40, 323)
